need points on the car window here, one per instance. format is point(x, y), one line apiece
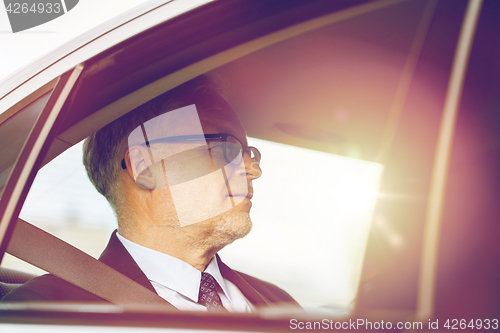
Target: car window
point(289, 216)
point(64, 203)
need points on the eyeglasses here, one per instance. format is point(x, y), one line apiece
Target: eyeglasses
point(230, 146)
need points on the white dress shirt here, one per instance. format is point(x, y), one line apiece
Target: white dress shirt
point(179, 283)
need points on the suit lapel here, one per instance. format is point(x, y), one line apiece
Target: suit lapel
point(247, 290)
point(117, 257)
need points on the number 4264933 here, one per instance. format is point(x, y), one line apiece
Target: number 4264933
point(456, 324)
point(24, 8)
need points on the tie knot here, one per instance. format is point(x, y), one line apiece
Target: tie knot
point(206, 277)
point(208, 293)
point(207, 283)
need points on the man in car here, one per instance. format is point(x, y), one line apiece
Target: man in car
point(178, 173)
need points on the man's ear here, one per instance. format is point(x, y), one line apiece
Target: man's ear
point(138, 162)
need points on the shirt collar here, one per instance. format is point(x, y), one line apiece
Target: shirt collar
point(213, 269)
point(168, 272)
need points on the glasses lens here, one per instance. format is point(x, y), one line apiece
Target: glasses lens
point(234, 150)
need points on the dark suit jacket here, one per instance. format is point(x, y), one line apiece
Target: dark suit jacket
point(51, 288)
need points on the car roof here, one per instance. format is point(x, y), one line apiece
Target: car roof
point(34, 75)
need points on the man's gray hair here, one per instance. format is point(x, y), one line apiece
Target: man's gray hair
point(104, 150)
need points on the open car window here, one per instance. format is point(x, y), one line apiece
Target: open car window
point(64, 203)
point(337, 219)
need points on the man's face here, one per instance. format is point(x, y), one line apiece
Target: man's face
point(194, 183)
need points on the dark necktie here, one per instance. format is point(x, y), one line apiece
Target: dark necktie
point(208, 293)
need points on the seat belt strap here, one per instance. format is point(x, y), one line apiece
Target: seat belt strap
point(65, 261)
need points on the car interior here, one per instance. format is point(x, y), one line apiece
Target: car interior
point(345, 102)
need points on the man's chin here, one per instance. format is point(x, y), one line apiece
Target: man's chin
point(220, 230)
point(236, 224)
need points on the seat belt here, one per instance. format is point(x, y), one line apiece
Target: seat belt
point(65, 261)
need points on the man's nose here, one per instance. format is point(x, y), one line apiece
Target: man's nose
point(252, 168)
